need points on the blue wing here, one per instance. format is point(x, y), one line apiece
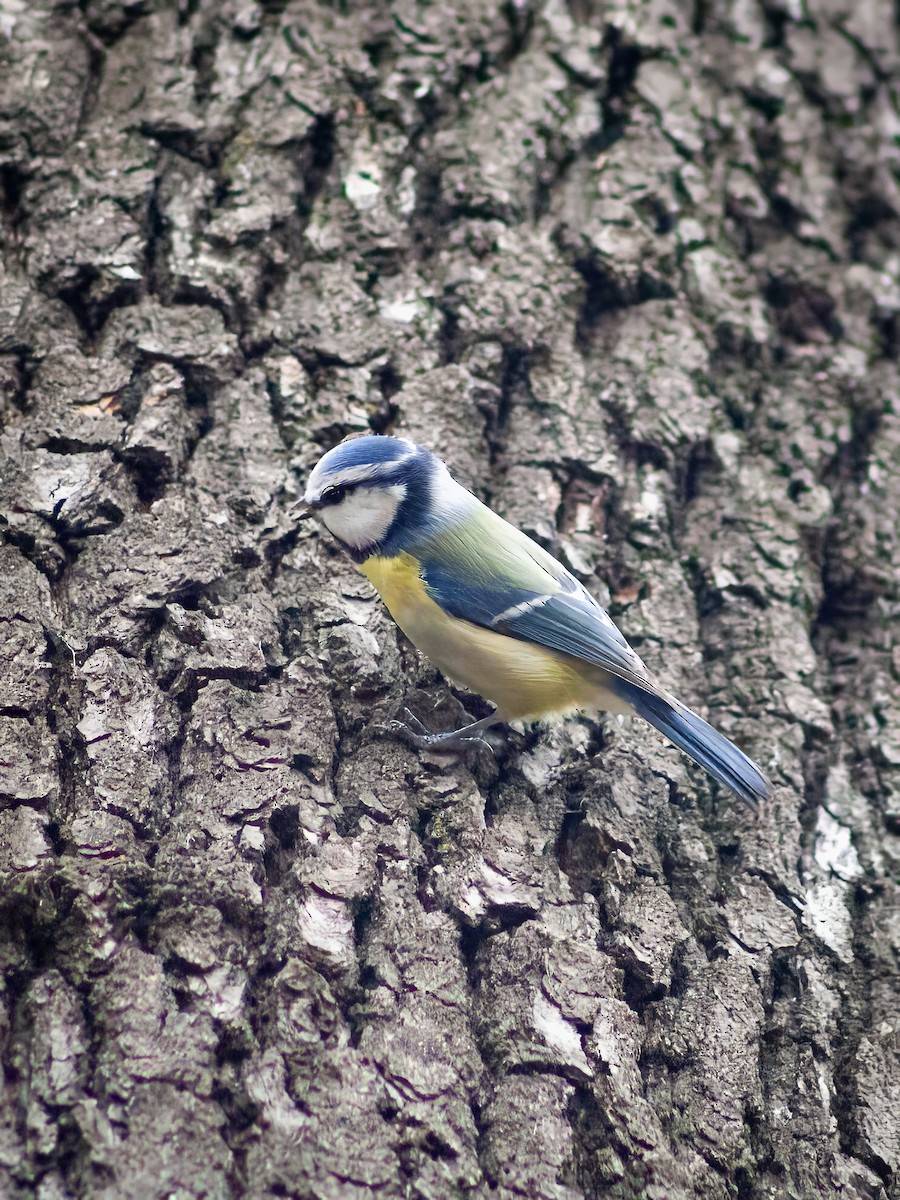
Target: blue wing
point(500, 579)
point(564, 617)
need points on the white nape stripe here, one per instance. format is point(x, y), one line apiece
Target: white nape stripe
point(519, 610)
point(447, 496)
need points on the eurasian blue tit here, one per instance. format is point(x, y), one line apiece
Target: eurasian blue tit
point(491, 609)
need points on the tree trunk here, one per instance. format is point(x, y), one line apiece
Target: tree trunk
point(633, 271)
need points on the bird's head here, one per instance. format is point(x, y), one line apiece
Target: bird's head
point(373, 491)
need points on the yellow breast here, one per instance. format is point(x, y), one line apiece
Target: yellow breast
point(399, 584)
point(521, 678)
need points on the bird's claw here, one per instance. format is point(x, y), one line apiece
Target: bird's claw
point(476, 742)
point(416, 733)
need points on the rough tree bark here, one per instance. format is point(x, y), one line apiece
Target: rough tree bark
point(633, 270)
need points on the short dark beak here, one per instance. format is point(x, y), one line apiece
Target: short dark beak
point(301, 511)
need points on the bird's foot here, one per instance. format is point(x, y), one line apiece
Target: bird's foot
point(417, 734)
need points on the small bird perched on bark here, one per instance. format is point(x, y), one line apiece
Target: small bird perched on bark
point(491, 609)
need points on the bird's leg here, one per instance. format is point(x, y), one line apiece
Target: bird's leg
point(420, 736)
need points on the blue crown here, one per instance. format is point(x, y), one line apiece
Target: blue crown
point(373, 448)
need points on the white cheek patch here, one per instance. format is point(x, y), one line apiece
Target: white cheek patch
point(364, 516)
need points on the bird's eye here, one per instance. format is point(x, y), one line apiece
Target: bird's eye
point(333, 495)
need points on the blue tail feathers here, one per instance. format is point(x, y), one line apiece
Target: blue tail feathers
point(705, 745)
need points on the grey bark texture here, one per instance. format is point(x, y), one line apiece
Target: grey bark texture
point(632, 269)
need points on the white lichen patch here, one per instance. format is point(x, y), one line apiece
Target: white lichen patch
point(362, 184)
point(325, 925)
point(834, 851)
point(559, 1034)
